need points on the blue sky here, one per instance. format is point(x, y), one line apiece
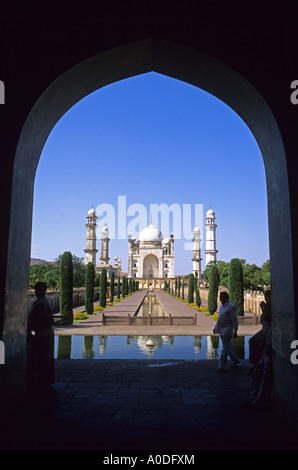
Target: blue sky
point(152, 139)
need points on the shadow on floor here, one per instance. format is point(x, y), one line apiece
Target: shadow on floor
point(145, 404)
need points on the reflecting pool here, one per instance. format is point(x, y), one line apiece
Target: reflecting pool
point(151, 306)
point(139, 347)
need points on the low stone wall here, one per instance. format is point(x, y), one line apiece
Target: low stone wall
point(149, 320)
point(252, 299)
point(54, 298)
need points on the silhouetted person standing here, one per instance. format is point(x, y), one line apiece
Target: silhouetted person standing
point(41, 340)
point(262, 382)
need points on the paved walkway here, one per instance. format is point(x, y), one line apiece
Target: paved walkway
point(145, 405)
point(129, 305)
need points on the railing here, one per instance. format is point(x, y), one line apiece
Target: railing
point(148, 320)
point(248, 320)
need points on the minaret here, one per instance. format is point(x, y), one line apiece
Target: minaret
point(91, 237)
point(210, 237)
point(104, 257)
point(196, 258)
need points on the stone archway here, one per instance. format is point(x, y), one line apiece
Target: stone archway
point(150, 266)
point(196, 69)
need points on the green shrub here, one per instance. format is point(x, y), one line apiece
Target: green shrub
point(236, 285)
point(213, 289)
point(103, 288)
point(80, 316)
point(66, 288)
point(89, 294)
point(112, 280)
point(190, 288)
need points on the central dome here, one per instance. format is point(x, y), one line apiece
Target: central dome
point(150, 234)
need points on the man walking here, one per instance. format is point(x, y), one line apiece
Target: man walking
point(227, 327)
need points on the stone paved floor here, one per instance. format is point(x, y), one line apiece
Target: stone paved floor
point(141, 404)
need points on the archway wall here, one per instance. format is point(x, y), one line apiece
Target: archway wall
point(194, 68)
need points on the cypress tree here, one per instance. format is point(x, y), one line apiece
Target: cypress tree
point(179, 286)
point(236, 285)
point(103, 288)
point(112, 280)
point(123, 286)
point(198, 297)
point(89, 285)
point(195, 280)
point(190, 288)
point(182, 296)
point(196, 290)
point(66, 288)
point(213, 289)
point(176, 285)
point(118, 288)
point(137, 285)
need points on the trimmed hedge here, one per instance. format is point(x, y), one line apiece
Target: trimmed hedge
point(103, 288)
point(89, 295)
point(66, 288)
point(236, 285)
point(213, 289)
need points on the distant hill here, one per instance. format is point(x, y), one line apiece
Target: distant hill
point(39, 261)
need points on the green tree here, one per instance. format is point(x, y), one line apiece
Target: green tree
point(112, 282)
point(179, 286)
point(196, 290)
point(118, 287)
point(182, 287)
point(266, 273)
point(52, 278)
point(78, 267)
point(66, 288)
point(103, 288)
point(123, 286)
point(89, 294)
point(198, 297)
point(213, 278)
point(223, 270)
point(97, 280)
point(126, 286)
point(190, 288)
point(236, 285)
point(36, 274)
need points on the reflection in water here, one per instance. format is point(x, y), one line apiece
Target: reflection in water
point(88, 352)
point(136, 347)
point(151, 306)
point(64, 347)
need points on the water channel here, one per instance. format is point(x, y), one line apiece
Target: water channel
point(150, 306)
point(136, 347)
